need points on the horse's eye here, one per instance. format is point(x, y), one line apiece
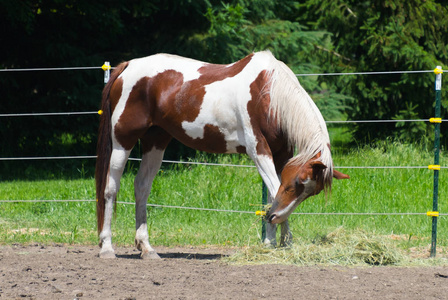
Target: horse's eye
point(301, 182)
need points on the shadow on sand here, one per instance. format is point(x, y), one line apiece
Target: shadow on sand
point(177, 255)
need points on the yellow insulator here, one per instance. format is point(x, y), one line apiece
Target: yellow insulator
point(432, 213)
point(438, 70)
point(106, 67)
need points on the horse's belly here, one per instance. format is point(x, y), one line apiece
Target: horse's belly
point(213, 137)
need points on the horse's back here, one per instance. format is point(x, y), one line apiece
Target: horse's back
point(196, 102)
point(192, 69)
point(153, 65)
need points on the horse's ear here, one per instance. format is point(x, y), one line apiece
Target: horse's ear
point(339, 175)
point(317, 167)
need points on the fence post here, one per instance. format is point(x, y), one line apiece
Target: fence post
point(438, 90)
point(106, 69)
point(264, 202)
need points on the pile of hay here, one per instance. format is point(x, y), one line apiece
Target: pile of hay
point(336, 248)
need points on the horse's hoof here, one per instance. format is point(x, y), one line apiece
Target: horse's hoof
point(150, 255)
point(138, 244)
point(269, 244)
point(107, 254)
point(286, 243)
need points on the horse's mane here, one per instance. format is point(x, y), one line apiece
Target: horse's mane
point(298, 117)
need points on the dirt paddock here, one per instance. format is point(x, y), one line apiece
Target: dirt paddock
point(76, 272)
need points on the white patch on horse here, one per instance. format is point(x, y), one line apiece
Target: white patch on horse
point(155, 64)
point(218, 109)
point(266, 168)
point(225, 106)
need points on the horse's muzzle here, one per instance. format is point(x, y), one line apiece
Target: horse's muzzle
point(270, 215)
point(272, 218)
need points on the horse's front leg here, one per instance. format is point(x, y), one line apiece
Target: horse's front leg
point(271, 229)
point(117, 162)
point(286, 235)
point(149, 167)
point(269, 171)
point(266, 168)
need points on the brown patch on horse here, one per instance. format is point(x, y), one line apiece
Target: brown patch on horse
point(213, 72)
point(115, 93)
point(149, 104)
point(241, 149)
point(155, 137)
point(134, 120)
point(270, 138)
point(188, 101)
point(212, 133)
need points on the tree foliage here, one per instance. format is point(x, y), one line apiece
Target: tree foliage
point(311, 36)
point(385, 36)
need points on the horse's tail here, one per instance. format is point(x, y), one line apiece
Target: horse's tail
point(104, 147)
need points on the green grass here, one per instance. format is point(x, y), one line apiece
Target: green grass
point(232, 188)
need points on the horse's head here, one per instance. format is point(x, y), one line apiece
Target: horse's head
point(298, 182)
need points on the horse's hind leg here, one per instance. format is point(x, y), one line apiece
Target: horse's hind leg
point(151, 162)
point(117, 163)
point(153, 143)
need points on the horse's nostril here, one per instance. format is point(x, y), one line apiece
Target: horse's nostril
point(271, 217)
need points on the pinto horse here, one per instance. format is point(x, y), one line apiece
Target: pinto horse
point(254, 106)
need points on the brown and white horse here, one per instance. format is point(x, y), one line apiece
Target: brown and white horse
point(254, 106)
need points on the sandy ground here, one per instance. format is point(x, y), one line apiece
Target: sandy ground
point(76, 272)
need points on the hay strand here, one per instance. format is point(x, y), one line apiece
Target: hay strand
point(339, 247)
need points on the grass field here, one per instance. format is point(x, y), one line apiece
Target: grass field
point(236, 188)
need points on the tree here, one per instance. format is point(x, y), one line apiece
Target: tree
point(311, 36)
point(53, 33)
point(384, 36)
point(241, 27)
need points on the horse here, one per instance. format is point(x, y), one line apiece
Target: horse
point(254, 106)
